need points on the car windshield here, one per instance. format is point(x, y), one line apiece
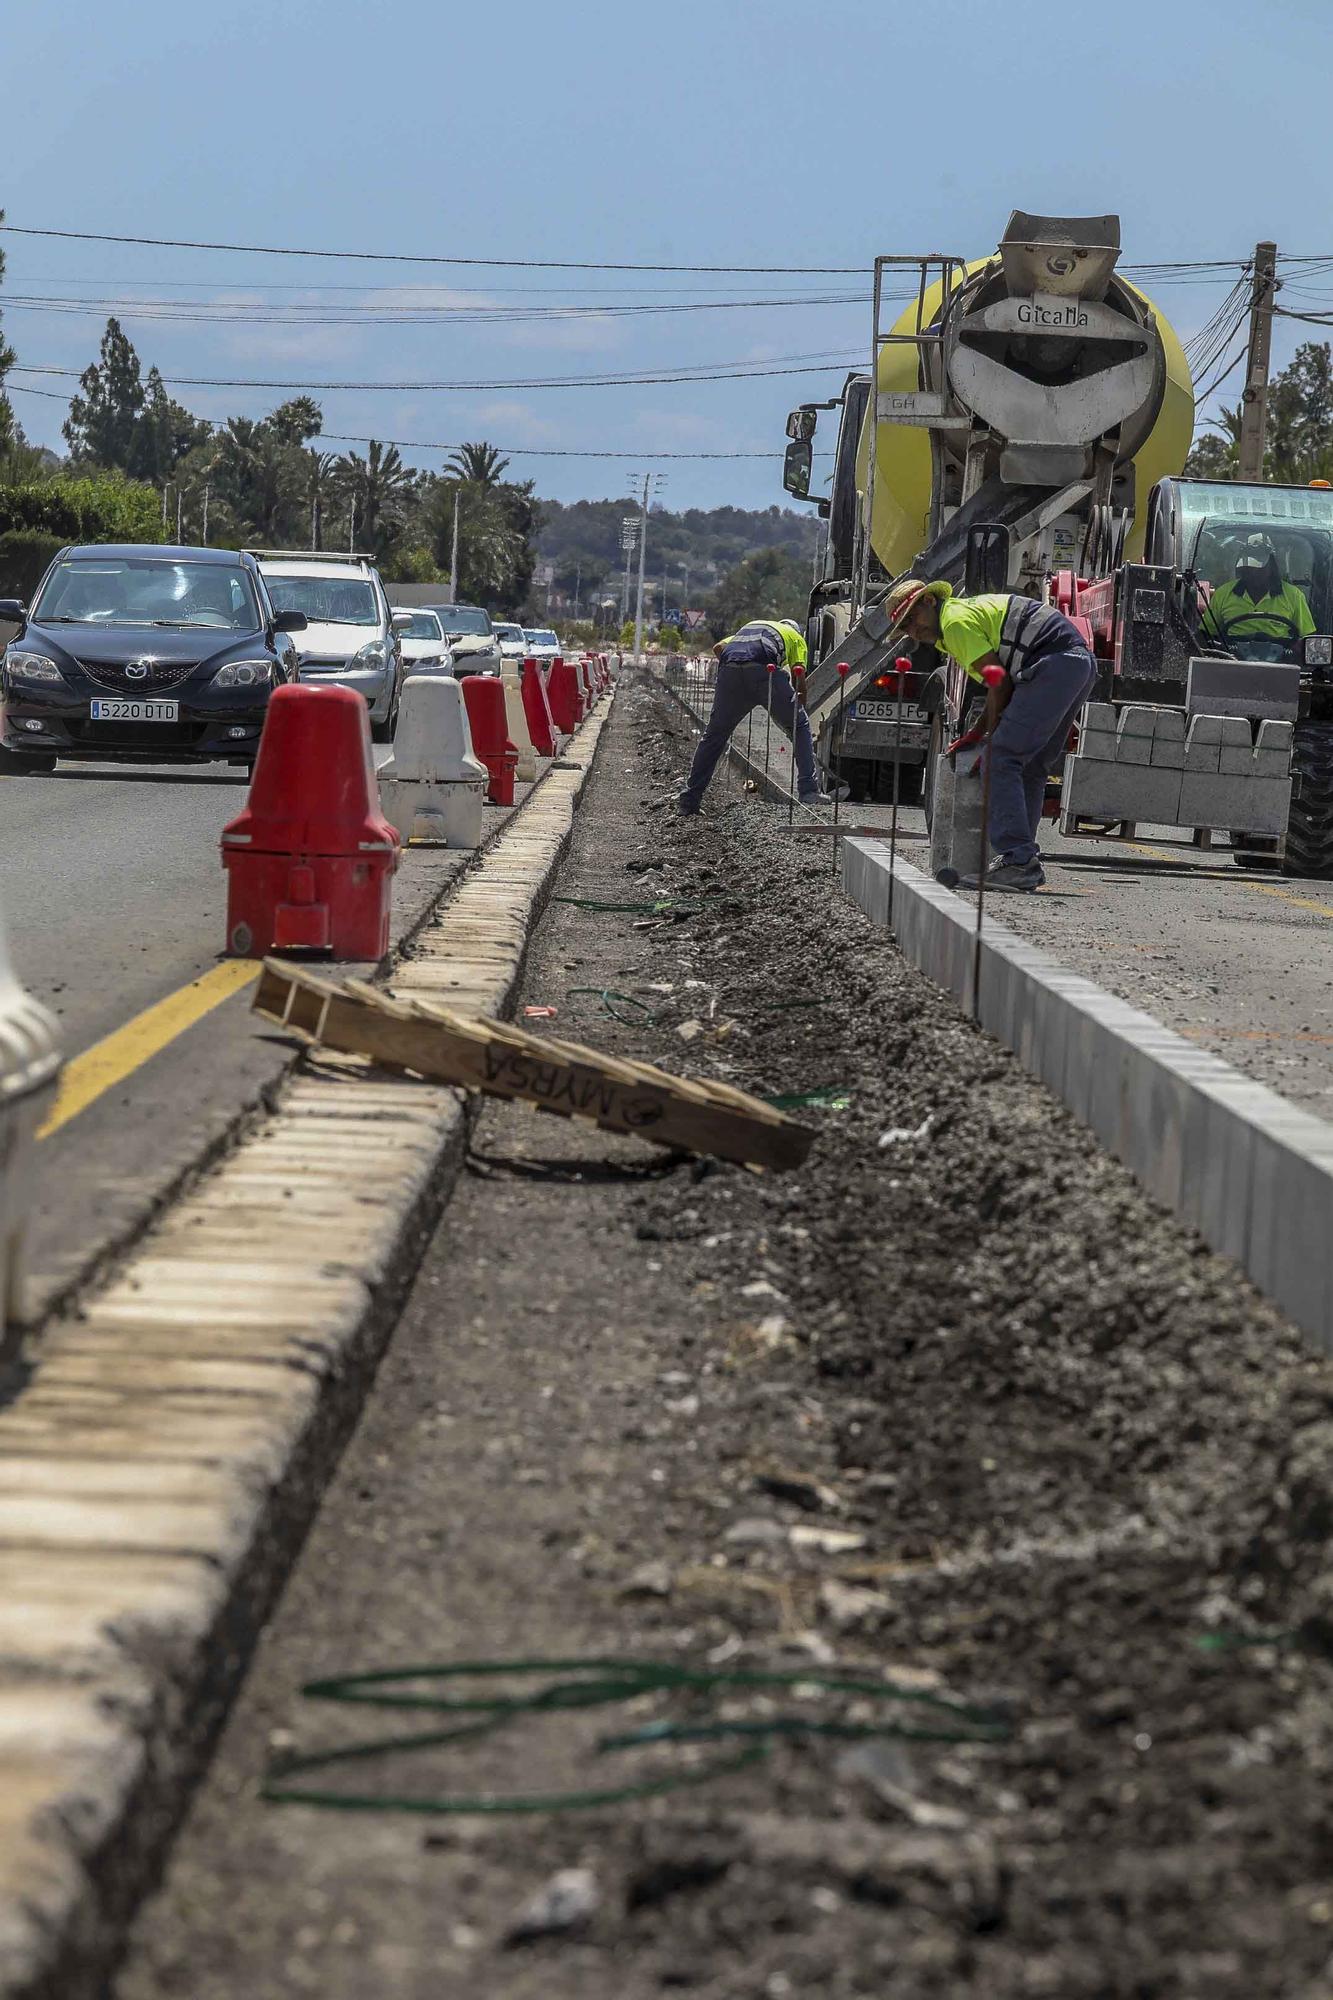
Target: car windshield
point(325, 600)
point(462, 621)
point(512, 635)
point(1217, 523)
point(542, 639)
point(148, 590)
point(424, 625)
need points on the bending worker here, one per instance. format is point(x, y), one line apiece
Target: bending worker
point(1046, 675)
point(745, 682)
point(1259, 603)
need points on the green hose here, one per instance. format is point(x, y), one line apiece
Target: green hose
point(598, 1683)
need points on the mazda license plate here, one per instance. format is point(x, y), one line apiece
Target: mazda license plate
point(136, 711)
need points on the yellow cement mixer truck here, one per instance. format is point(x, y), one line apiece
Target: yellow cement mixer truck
point(1028, 423)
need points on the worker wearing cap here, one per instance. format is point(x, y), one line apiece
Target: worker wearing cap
point(1045, 675)
point(754, 669)
point(1259, 603)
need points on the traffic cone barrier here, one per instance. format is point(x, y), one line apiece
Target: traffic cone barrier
point(485, 698)
point(433, 789)
point(310, 858)
point(565, 693)
point(541, 723)
point(588, 686)
point(516, 719)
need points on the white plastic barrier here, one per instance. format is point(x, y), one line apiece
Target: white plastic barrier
point(516, 721)
point(432, 788)
point(30, 1060)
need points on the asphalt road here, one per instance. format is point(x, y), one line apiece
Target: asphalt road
point(114, 899)
point(1239, 961)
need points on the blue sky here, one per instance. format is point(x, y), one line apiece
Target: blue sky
point(703, 131)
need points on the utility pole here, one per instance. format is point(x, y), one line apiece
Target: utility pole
point(578, 586)
point(453, 549)
point(180, 513)
point(165, 491)
point(649, 482)
point(351, 533)
point(1254, 399)
point(206, 492)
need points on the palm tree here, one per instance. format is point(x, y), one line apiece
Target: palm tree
point(478, 464)
point(321, 482)
point(378, 485)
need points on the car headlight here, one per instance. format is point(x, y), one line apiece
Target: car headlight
point(31, 667)
point(369, 656)
point(243, 674)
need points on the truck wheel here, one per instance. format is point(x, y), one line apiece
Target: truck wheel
point(1310, 825)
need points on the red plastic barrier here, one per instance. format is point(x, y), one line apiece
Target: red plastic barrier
point(564, 691)
point(541, 723)
point(310, 858)
point(588, 684)
point(485, 699)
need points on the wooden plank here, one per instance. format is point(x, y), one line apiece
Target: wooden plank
point(501, 1060)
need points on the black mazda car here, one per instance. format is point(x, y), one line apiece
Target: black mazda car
point(143, 653)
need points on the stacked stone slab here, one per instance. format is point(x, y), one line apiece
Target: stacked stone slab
point(1166, 768)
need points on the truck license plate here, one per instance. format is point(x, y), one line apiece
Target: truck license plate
point(136, 711)
point(886, 711)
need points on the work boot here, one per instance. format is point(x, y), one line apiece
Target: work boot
point(1012, 877)
point(686, 807)
point(819, 797)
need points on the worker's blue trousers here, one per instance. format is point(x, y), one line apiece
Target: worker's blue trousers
point(1029, 744)
point(740, 689)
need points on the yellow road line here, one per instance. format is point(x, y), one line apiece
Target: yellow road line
point(126, 1049)
point(1243, 882)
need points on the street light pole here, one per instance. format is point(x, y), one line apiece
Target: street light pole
point(453, 552)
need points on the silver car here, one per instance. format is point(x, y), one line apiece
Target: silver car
point(351, 636)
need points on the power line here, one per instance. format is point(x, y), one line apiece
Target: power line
point(704, 372)
point(1159, 268)
point(234, 312)
point(505, 450)
point(406, 257)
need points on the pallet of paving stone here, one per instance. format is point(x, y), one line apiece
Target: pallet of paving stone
point(502, 1060)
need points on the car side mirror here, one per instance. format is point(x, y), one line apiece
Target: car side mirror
point(796, 467)
point(400, 620)
point(290, 621)
point(1316, 650)
point(12, 610)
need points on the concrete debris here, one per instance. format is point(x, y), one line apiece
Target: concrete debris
point(651, 1579)
point(849, 1608)
point(825, 1541)
point(565, 1904)
point(899, 1135)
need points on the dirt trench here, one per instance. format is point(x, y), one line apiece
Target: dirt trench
point(955, 1404)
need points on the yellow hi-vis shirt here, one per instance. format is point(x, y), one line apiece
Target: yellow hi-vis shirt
point(970, 628)
point(1231, 614)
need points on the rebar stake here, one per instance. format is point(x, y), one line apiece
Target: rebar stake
point(843, 671)
point(797, 674)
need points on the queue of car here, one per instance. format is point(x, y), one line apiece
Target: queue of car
point(139, 652)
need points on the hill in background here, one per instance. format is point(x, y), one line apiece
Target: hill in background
point(582, 542)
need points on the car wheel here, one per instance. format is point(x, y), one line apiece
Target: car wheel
point(382, 732)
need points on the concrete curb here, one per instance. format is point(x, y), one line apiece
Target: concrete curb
point(161, 1465)
point(1251, 1172)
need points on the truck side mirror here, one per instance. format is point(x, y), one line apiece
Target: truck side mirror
point(796, 467)
point(801, 423)
point(987, 559)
